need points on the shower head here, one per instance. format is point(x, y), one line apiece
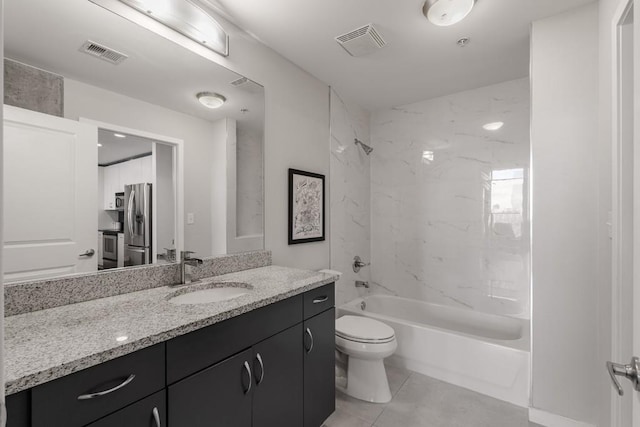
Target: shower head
point(365, 147)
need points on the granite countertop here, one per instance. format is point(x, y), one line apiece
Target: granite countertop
point(44, 345)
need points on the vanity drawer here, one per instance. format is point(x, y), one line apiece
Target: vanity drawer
point(200, 349)
point(149, 412)
point(80, 398)
point(318, 300)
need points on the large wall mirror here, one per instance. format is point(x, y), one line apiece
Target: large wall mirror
point(111, 158)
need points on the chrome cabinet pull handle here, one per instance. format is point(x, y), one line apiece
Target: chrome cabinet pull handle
point(308, 332)
point(156, 417)
point(320, 299)
point(259, 358)
point(105, 392)
point(248, 369)
point(88, 253)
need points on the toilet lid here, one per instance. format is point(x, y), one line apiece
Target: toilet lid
point(363, 329)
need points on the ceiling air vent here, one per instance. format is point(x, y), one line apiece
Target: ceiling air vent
point(361, 41)
point(103, 52)
point(248, 85)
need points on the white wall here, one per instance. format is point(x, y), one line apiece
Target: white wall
point(566, 224)
point(296, 136)
point(104, 218)
point(449, 225)
point(249, 179)
point(165, 198)
point(350, 195)
point(201, 149)
point(218, 188)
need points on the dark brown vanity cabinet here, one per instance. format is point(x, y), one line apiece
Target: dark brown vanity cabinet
point(278, 378)
point(260, 387)
point(219, 395)
point(273, 366)
point(319, 360)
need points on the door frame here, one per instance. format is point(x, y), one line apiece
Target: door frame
point(621, 218)
point(178, 173)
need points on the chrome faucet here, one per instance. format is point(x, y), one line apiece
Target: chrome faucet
point(187, 261)
point(362, 284)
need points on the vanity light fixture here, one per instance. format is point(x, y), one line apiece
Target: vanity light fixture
point(493, 126)
point(211, 100)
point(119, 135)
point(188, 19)
point(447, 12)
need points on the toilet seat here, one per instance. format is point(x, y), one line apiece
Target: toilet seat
point(364, 330)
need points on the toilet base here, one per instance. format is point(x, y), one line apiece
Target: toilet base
point(367, 380)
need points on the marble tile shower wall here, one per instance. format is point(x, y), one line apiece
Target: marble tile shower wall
point(350, 195)
point(449, 199)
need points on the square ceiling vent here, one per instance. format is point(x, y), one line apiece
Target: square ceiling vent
point(361, 41)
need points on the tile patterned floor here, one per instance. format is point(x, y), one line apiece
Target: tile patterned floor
point(421, 401)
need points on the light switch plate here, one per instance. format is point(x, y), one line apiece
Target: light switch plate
point(190, 219)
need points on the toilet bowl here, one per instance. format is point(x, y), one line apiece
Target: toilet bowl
point(366, 343)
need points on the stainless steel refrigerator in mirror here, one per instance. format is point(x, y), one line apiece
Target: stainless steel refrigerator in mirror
point(137, 224)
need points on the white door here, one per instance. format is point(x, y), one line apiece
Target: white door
point(633, 117)
point(50, 195)
point(626, 219)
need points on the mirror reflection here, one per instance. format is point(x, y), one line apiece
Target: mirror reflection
point(121, 146)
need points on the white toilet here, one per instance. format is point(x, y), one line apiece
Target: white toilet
point(366, 342)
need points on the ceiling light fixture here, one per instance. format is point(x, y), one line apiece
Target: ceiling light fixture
point(119, 135)
point(447, 12)
point(188, 19)
point(211, 100)
point(493, 126)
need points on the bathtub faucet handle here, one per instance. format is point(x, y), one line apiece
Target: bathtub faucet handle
point(358, 264)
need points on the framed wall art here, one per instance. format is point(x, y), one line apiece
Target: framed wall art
point(306, 207)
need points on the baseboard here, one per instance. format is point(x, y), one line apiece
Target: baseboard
point(548, 419)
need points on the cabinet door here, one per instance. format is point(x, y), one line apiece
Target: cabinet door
point(111, 185)
point(147, 175)
point(19, 409)
point(220, 395)
point(319, 368)
point(149, 412)
point(126, 174)
point(277, 367)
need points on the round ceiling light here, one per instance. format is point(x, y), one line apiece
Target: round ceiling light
point(447, 12)
point(493, 126)
point(211, 100)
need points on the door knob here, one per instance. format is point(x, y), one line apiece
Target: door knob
point(630, 371)
point(88, 253)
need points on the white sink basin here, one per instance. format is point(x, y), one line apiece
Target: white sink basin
point(209, 293)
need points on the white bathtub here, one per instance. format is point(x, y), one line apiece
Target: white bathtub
point(483, 352)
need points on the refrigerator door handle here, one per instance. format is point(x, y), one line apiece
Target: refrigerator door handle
point(130, 212)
